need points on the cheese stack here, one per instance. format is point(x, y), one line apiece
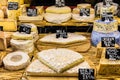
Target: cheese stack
point(57, 14)
point(83, 18)
point(74, 41)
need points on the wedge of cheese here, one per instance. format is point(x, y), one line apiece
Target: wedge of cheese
point(60, 59)
point(36, 68)
point(16, 60)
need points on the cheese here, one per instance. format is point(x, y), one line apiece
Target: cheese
point(58, 10)
point(72, 38)
point(2, 55)
point(1, 14)
point(8, 24)
point(16, 60)
point(3, 44)
point(36, 68)
point(21, 2)
point(105, 27)
point(4, 9)
point(40, 10)
point(108, 67)
point(3, 2)
point(60, 59)
point(83, 5)
point(57, 18)
point(12, 14)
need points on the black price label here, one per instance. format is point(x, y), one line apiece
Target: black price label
point(108, 41)
point(60, 3)
point(86, 74)
point(25, 29)
point(1, 28)
point(12, 5)
point(84, 12)
point(107, 16)
point(31, 11)
point(61, 33)
point(112, 54)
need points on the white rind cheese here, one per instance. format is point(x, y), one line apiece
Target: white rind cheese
point(16, 60)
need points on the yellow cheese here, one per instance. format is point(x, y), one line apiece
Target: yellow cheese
point(1, 14)
point(8, 25)
point(83, 5)
point(3, 2)
point(40, 10)
point(21, 2)
point(3, 44)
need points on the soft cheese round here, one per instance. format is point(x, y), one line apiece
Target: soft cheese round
point(58, 10)
point(16, 60)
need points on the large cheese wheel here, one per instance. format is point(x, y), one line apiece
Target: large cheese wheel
point(83, 5)
point(58, 10)
point(16, 60)
point(57, 18)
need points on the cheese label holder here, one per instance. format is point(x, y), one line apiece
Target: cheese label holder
point(25, 29)
point(107, 16)
point(112, 54)
point(108, 41)
point(86, 74)
point(60, 3)
point(12, 5)
point(31, 11)
point(61, 33)
point(84, 12)
point(1, 28)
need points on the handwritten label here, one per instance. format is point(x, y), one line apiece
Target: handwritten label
point(25, 29)
point(61, 33)
point(60, 3)
point(31, 11)
point(12, 5)
point(1, 28)
point(84, 12)
point(86, 74)
point(107, 16)
point(108, 41)
point(112, 54)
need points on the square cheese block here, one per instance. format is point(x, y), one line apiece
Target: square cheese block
point(8, 24)
point(37, 68)
point(108, 67)
point(60, 59)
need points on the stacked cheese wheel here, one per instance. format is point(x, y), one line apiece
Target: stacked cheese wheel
point(57, 14)
point(76, 13)
point(23, 41)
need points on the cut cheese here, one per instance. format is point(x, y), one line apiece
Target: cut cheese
point(57, 18)
point(36, 68)
point(60, 59)
point(83, 5)
point(58, 10)
point(16, 60)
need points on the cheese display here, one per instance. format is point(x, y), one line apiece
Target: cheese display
point(57, 14)
point(16, 60)
point(36, 68)
point(60, 59)
point(83, 13)
point(3, 43)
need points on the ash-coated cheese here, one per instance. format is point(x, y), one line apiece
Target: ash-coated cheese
point(16, 60)
point(60, 59)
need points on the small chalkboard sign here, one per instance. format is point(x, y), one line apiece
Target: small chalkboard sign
point(25, 29)
point(86, 74)
point(112, 54)
point(12, 5)
point(85, 12)
point(107, 16)
point(108, 41)
point(60, 3)
point(31, 11)
point(1, 28)
point(61, 33)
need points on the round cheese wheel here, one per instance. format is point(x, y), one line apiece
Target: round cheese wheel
point(58, 10)
point(57, 18)
point(84, 5)
point(16, 60)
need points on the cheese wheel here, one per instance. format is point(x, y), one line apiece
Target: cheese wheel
point(83, 5)
point(57, 18)
point(16, 60)
point(58, 10)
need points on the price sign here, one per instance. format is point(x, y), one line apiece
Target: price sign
point(86, 74)
point(31, 11)
point(107, 16)
point(84, 12)
point(60, 3)
point(1, 28)
point(25, 29)
point(112, 54)
point(108, 41)
point(61, 33)
point(12, 5)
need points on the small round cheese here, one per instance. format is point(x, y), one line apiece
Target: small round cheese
point(16, 60)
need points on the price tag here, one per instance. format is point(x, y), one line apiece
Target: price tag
point(25, 29)
point(60, 3)
point(12, 5)
point(1, 28)
point(107, 16)
point(84, 12)
point(112, 54)
point(31, 11)
point(86, 74)
point(61, 33)
point(108, 41)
